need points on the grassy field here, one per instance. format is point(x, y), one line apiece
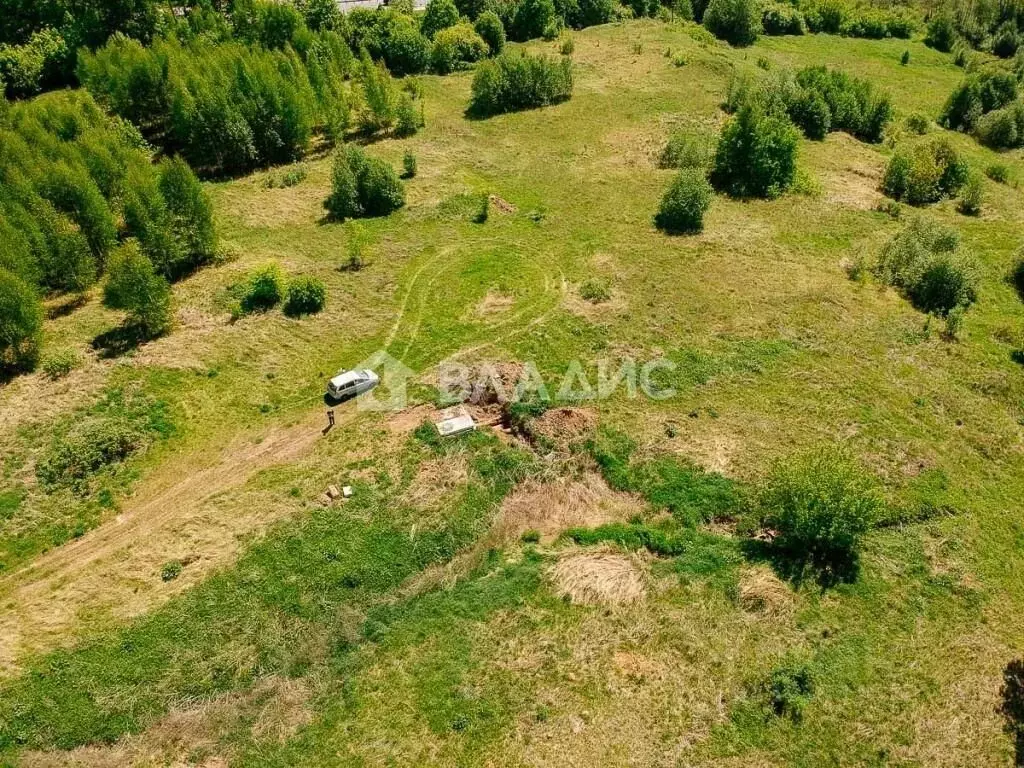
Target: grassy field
point(413, 625)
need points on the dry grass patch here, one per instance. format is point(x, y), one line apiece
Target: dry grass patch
point(552, 507)
point(600, 578)
point(494, 303)
point(434, 480)
point(763, 593)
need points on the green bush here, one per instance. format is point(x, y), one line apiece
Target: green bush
point(531, 19)
point(380, 97)
point(59, 364)
point(941, 32)
point(407, 120)
point(684, 204)
point(782, 19)
point(588, 13)
point(491, 31)
point(1002, 128)
point(133, 285)
point(736, 21)
point(190, 217)
point(343, 202)
point(88, 447)
point(977, 94)
point(1017, 277)
point(905, 58)
point(854, 104)
point(21, 324)
point(918, 122)
point(998, 172)
point(263, 290)
point(789, 689)
point(440, 14)
point(362, 186)
point(41, 63)
point(1006, 40)
point(819, 506)
point(456, 47)
point(971, 195)
point(812, 114)
point(756, 155)
point(595, 291)
point(390, 36)
point(306, 296)
point(409, 165)
point(925, 172)
point(514, 81)
point(687, 149)
point(926, 262)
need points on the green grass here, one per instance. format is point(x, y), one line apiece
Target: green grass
point(777, 352)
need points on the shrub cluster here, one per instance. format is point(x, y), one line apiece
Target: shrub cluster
point(685, 202)
point(134, 286)
point(925, 172)
point(736, 21)
point(263, 290)
point(839, 18)
point(976, 95)
point(850, 104)
point(782, 19)
point(687, 149)
point(362, 186)
point(817, 99)
point(994, 27)
point(928, 264)
point(306, 296)
point(88, 447)
point(820, 507)
point(1002, 128)
point(756, 154)
point(21, 324)
point(456, 47)
point(514, 81)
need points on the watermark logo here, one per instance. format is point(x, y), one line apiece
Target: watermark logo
point(580, 381)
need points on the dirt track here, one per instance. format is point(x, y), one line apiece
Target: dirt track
point(114, 569)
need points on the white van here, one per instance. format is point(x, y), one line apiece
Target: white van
point(348, 384)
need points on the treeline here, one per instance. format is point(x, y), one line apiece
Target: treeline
point(994, 27)
point(75, 185)
point(740, 22)
point(226, 107)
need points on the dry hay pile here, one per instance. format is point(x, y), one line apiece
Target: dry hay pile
point(599, 578)
point(550, 508)
point(764, 593)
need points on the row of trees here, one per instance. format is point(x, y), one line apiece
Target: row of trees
point(226, 107)
point(75, 185)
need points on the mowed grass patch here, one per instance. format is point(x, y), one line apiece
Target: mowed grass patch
point(242, 624)
point(778, 352)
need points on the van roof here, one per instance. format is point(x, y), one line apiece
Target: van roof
point(346, 377)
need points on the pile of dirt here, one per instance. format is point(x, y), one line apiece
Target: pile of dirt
point(564, 426)
point(599, 578)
